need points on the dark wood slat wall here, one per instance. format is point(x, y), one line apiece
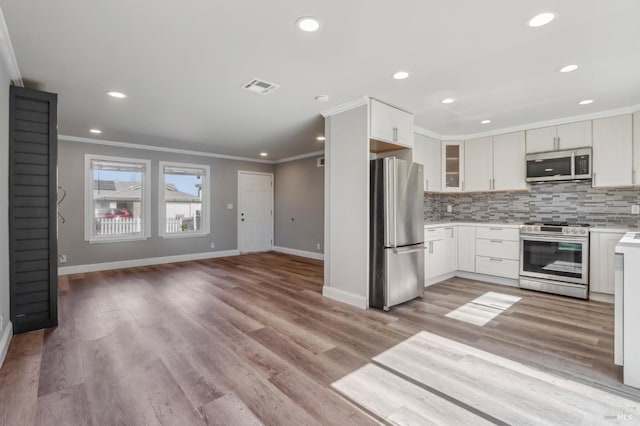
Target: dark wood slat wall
point(32, 209)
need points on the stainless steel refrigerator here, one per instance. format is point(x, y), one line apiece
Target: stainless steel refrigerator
point(396, 251)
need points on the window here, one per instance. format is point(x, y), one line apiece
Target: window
point(116, 199)
point(184, 200)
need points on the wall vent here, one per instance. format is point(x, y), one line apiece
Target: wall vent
point(260, 86)
point(320, 162)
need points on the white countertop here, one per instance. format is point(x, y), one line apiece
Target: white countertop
point(440, 223)
point(629, 240)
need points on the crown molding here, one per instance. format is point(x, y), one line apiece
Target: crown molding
point(160, 149)
point(536, 125)
point(354, 103)
point(299, 157)
point(8, 54)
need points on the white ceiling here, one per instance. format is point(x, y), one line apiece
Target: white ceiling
point(182, 64)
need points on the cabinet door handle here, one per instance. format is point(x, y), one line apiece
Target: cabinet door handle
point(431, 247)
point(426, 183)
point(558, 143)
point(395, 134)
point(451, 229)
point(462, 185)
point(594, 179)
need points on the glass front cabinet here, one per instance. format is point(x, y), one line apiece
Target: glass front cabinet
point(452, 166)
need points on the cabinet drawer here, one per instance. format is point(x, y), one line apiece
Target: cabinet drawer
point(432, 234)
point(498, 248)
point(498, 233)
point(497, 267)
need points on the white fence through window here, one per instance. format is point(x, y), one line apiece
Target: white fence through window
point(174, 225)
point(118, 226)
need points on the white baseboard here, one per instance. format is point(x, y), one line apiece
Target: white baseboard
point(295, 252)
point(601, 297)
point(107, 266)
point(345, 297)
point(488, 278)
point(441, 278)
point(5, 340)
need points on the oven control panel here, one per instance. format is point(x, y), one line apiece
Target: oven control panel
point(580, 231)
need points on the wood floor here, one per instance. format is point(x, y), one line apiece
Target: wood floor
point(250, 340)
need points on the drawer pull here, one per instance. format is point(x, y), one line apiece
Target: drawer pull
point(494, 259)
point(497, 241)
point(495, 229)
point(431, 230)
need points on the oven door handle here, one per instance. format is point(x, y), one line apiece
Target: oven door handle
point(555, 239)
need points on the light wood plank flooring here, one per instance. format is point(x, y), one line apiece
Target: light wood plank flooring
point(250, 340)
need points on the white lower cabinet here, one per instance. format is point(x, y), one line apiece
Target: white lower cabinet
point(467, 248)
point(488, 250)
point(441, 254)
point(601, 261)
point(498, 251)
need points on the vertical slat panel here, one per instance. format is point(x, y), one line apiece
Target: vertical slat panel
point(32, 209)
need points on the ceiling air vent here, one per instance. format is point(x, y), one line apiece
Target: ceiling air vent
point(260, 86)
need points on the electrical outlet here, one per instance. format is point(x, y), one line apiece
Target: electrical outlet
point(318, 246)
point(213, 245)
point(62, 259)
point(230, 206)
point(449, 208)
point(1, 323)
point(635, 209)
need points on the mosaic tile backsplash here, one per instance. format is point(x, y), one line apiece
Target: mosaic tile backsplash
point(570, 201)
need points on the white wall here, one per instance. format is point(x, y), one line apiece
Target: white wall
point(347, 207)
point(5, 332)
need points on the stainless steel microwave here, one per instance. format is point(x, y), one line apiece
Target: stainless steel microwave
point(569, 164)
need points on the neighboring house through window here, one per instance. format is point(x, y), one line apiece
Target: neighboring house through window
point(117, 199)
point(184, 199)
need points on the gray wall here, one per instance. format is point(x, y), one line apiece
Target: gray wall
point(4, 197)
point(299, 205)
point(571, 201)
point(224, 187)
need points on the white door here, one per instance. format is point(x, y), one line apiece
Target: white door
point(255, 212)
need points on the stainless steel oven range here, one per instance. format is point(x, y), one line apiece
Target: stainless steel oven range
point(554, 258)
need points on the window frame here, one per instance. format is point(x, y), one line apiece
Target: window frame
point(89, 206)
point(205, 215)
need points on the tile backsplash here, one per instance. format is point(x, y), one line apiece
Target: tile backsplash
point(570, 201)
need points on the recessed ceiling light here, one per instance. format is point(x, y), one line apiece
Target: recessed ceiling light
point(401, 75)
point(263, 154)
point(308, 24)
point(586, 102)
point(320, 138)
point(95, 131)
point(541, 19)
point(568, 68)
point(322, 98)
point(447, 101)
point(485, 122)
point(118, 95)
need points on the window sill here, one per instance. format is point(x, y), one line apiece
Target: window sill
point(116, 240)
point(185, 235)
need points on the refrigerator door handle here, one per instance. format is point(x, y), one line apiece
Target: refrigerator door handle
point(390, 202)
point(408, 250)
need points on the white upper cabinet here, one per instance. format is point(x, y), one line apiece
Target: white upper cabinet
point(495, 163)
point(574, 135)
point(509, 168)
point(391, 125)
point(564, 136)
point(612, 151)
point(452, 166)
point(478, 169)
point(541, 140)
point(636, 148)
point(428, 152)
